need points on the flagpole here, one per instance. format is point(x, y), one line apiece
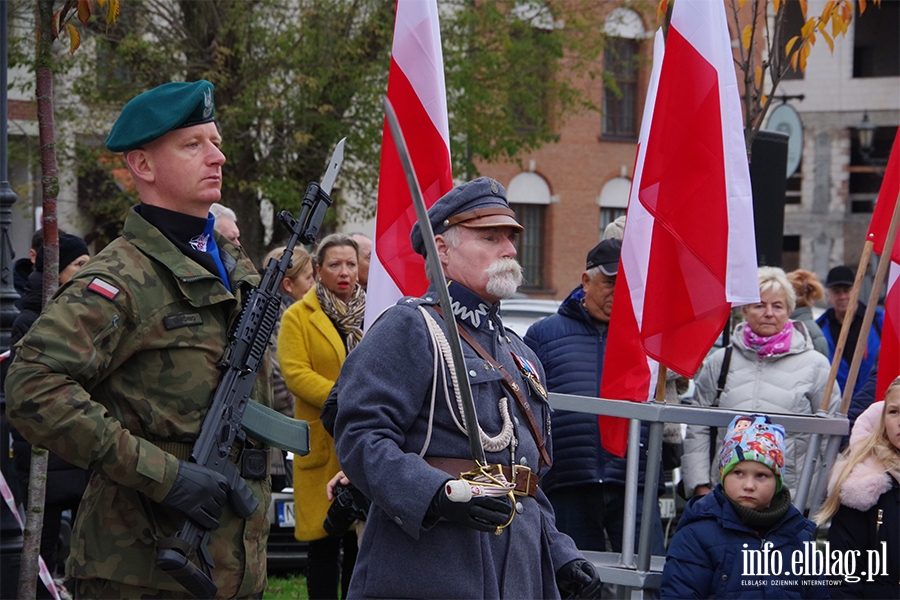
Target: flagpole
point(662, 373)
point(880, 274)
point(869, 315)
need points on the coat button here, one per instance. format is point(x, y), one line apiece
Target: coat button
point(398, 521)
point(520, 508)
point(724, 577)
point(523, 461)
point(473, 373)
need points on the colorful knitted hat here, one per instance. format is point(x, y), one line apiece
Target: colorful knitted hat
point(753, 437)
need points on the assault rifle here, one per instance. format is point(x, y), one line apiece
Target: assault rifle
point(232, 415)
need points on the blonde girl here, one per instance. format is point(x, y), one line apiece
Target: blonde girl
point(863, 501)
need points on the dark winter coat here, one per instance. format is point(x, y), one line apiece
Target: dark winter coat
point(706, 560)
point(867, 491)
point(873, 343)
point(571, 346)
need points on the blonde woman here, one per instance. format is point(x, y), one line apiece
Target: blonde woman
point(863, 501)
point(317, 332)
point(773, 368)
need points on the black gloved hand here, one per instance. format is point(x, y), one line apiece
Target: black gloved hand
point(483, 513)
point(578, 579)
point(200, 493)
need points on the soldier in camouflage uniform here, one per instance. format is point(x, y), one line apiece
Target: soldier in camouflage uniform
point(117, 374)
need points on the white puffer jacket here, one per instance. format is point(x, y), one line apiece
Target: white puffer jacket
point(790, 383)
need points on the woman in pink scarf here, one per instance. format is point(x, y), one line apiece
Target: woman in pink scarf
point(773, 367)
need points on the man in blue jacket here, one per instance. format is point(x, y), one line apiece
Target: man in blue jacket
point(586, 484)
point(837, 291)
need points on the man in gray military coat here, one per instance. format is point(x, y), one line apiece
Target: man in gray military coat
point(400, 432)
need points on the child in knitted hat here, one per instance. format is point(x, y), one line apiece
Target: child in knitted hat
point(724, 537)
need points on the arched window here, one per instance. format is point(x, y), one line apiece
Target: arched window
point(613, 201)
point(529, 195)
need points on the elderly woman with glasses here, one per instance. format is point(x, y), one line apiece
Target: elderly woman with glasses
point(771, 367)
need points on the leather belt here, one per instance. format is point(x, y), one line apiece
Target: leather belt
point(252, 463)
point(525, 479)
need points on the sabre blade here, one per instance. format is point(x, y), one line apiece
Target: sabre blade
point(465, 387)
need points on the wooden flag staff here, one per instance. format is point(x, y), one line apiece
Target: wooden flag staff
point(880, 274)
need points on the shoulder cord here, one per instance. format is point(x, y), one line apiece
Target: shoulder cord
point(442, 348)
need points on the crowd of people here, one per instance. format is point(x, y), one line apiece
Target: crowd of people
point(114, 375)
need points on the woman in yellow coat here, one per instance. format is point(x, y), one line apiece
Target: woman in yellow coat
point(316, 334)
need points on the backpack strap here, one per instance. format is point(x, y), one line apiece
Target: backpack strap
point(723, 374)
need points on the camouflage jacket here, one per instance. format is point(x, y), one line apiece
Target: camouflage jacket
point(116, 375)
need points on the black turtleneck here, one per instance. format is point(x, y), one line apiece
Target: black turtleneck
point(180, 229)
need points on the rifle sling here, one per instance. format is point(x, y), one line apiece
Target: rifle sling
point(512, 386)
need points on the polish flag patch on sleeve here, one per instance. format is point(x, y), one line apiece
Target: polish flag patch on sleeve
point(106, 290)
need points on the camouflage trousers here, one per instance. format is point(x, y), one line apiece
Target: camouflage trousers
point(88, 589)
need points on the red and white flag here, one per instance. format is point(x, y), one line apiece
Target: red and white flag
point(889, 354)
point(417, 93)
point(689, 251)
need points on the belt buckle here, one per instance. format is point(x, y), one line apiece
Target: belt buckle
point(525, 473)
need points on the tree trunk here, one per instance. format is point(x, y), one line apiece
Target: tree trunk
point(37, 485)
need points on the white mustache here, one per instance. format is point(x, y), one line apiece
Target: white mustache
point(505, 266)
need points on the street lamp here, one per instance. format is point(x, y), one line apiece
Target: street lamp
point(866, 133)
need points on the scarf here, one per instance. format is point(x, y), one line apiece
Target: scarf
point(763, 520)
point(347, 317)
point(772, 345)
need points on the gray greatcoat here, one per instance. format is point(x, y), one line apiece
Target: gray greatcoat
point(382, 425)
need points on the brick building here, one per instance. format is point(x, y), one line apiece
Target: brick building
point(568, 191)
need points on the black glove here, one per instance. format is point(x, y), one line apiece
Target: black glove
point(200, 493)
point(483, 513)
point(578, 579)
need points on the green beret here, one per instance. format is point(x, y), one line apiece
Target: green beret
point(158, 111)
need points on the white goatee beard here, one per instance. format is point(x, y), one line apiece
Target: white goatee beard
point(504, 278)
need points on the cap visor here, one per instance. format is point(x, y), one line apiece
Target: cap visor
point(609, 269)
point(492, 221)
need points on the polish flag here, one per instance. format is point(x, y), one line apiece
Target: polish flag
point(889, 355)
point(417, 92)
point(689, 251)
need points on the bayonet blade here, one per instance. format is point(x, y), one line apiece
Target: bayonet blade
point(334, 166)
point(437, 271)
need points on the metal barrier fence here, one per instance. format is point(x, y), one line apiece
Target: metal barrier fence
point(643, 572)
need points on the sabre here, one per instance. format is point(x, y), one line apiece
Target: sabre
point(434, 264)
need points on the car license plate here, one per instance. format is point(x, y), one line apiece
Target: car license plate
point(666, 508)
point(286, 514)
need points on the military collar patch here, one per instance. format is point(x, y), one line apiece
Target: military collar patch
point(468, 307)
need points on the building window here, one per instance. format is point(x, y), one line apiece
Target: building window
point(790, 253)
point(620, 88)
point(529, 195)
point(613, 201)
point(531, 243)
point(608, 215)
point(876, 52)
point(793, 23)
point(866, 175)
point(794, 188)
